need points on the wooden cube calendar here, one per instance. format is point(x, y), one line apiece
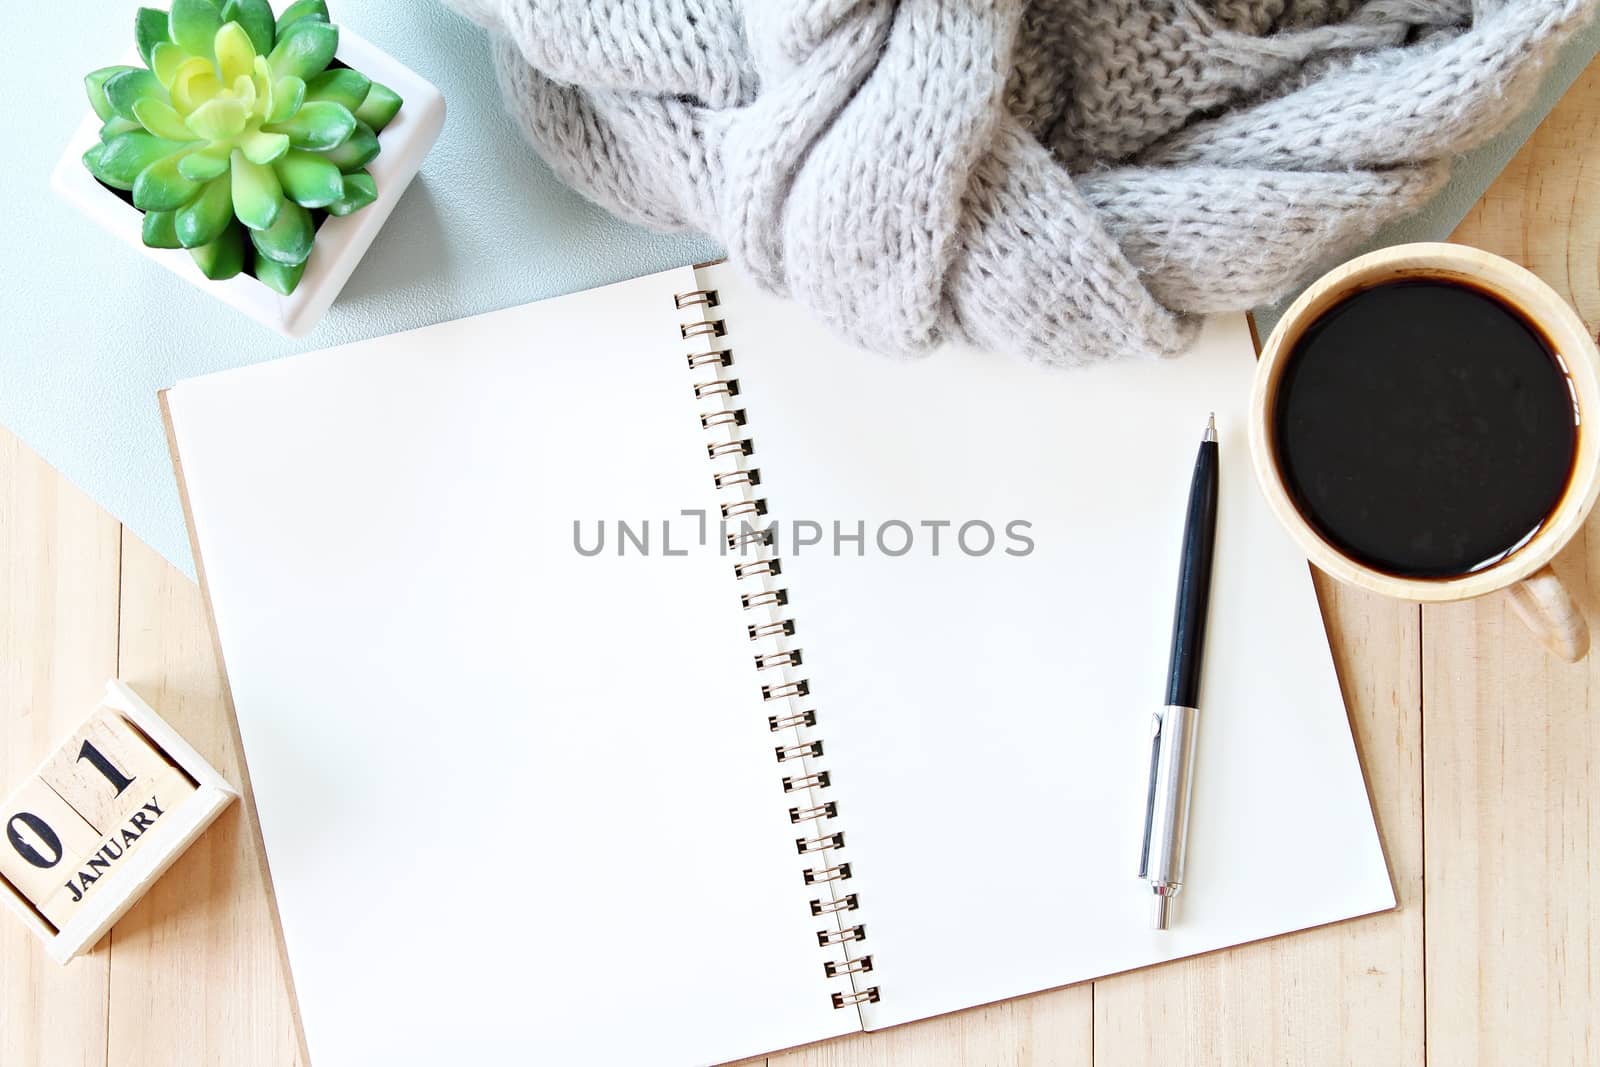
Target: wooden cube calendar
point(100, 820)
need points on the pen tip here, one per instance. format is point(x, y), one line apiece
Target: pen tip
point(1211, 427)
point(1159, 916)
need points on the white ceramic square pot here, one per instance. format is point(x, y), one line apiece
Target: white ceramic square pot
point(341, 242)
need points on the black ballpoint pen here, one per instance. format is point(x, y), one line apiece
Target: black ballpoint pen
point(1166, 818)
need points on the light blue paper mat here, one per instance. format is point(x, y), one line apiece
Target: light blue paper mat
point(89, 330)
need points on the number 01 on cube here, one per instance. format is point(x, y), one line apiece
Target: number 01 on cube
point(100, 820)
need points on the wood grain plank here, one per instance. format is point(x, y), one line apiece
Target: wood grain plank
point(1049, 1030)
point(1351, 993)
point(1512, 739)
point(58, 646)
point(202, 952)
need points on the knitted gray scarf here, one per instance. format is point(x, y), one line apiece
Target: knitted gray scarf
point(1069, 180)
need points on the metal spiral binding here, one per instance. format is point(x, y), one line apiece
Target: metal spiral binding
point(800, 751)
point(839, 937)
point(859, 965)
point(757, 568)
point(789, 657)
point(717, 387)
point(730, 448)
point(799, 718)
point(746, 538)
point(781, 628)
point(828, 874)
point(820, 811)
point(770, 633)
point(711, 359)
point(729, 479)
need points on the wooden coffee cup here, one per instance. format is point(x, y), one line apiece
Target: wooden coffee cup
point(1525, 574)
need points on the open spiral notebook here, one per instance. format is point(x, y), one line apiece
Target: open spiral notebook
point(629, 677)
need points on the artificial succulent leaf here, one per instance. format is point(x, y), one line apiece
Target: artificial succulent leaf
point(222, 258)
point(261, 74)
point(316, 10)
point(257, 196)
point(160, 229)
point(221, 119)
point(360, 149)
point(288, 96)
point(203, 219)
point(116, 126)
point(359, 190)
point(149, 30)
point(129, 87)
point(194, 25)
point(119, 161)
point(93, 162)
point(259, 146)
point(341, 85)
point(205, 164)
point(319, 125)
point(277, 276)
point(288, 240)
point(256, 18)
point(304, 49)
point(194, 82)
point(159, 118)
point(94, 84)
point(236, 55)
point(165, 60)
point(309, 180)
point(380, 107)
point(159, 187)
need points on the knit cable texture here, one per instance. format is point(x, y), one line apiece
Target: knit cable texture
point(1067, 180)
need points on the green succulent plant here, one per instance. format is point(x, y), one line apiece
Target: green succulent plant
point(235, 130)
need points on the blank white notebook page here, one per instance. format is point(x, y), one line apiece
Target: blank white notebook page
point(516, 801)
point(987, 716)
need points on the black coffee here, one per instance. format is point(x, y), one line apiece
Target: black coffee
point(1425, 428)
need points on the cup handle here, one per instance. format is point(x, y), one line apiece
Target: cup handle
point(1544, 604)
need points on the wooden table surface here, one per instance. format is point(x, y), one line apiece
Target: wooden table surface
point(1482, 756)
